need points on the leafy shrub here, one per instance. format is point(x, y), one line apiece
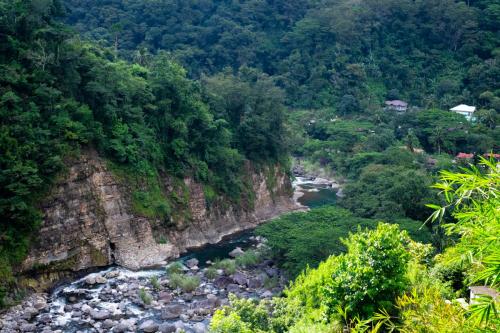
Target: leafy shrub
point(371, 274)
point(227, 321)
point(228, 265)
point(211, 273)
point(155, 283)
point(248, 258)
point(187, 283)
point(145, 296)
point(190, 283)
point(175, 268)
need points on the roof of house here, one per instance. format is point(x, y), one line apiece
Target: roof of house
point(463, 108)
point(464, 155)
point(488, 155)
point(396, 102)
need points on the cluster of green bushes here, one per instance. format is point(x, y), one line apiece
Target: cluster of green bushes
point(295, 249)
point(384, 281)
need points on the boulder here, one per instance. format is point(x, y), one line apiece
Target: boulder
point(122, 327)
point(167, 328)
point(100, 315)
point(222, 281)
point(172, 311)
point(28, 328)
point(165, 296)
point(99, 279)
point(240, 279)
point(107, 324)
point(233, 288)
point(236, 252)
point(192, 263)
point(149, 326)
point(200, 328)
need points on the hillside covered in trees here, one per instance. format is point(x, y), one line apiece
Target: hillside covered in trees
point(202, 89)
point(60, 95)
point(431, 53)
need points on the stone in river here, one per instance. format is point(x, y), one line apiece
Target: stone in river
point(28, 328)
point(233, 288)
point(167, 328)
point(165, 296)
point(200, 328)
point(239, 278)
point(192, 262)
point(122, 327)
point(171, 311)
point(149, 326)
point(107, 324)
point(236, 252)
point(99, 315)
point(222, 281)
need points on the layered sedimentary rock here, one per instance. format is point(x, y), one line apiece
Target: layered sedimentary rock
point(89, 222)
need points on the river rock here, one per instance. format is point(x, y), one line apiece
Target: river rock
point(172, 311)
point(28, 328)
point(233, 288)
point(222, 281)
point(213, 300)
point(236, 252)
point(112, 274)
point(266, 294)
point(239, 278)
point(100, 315)
point(122, 327)
point(167, 328)
point(149, 326)
point(192, 263)
point(30, 313)
point(107, 324)
point(200, 328)
point(165, 296)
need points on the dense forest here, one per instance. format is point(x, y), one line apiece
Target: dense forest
point(204, 88)
point(59, 95)
point(431, 53)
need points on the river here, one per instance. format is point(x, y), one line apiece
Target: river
point(108, 301)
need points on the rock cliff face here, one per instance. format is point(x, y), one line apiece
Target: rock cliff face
point(88, 222)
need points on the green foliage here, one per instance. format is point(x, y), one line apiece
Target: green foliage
point(60, 96)
point(211, 273)
point(175, 268)
point(371, 274)
point(370, 51)
point(145, 297)
point(473, 197)
point(155, 283)
point(188, 283)
point(228, 265)
point(248, 258)
point(389, 192)
point(295, 249)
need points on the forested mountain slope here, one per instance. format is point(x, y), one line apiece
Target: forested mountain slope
point(432, 53)
point(60, 95)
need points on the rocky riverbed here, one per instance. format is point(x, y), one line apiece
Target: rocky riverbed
point(119, 300)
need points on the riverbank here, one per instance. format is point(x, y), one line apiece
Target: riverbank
point(120, 300)
point(179, 298)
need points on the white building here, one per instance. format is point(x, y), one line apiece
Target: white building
point(465, 110)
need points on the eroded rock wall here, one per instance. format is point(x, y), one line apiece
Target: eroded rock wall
point(88, 221)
